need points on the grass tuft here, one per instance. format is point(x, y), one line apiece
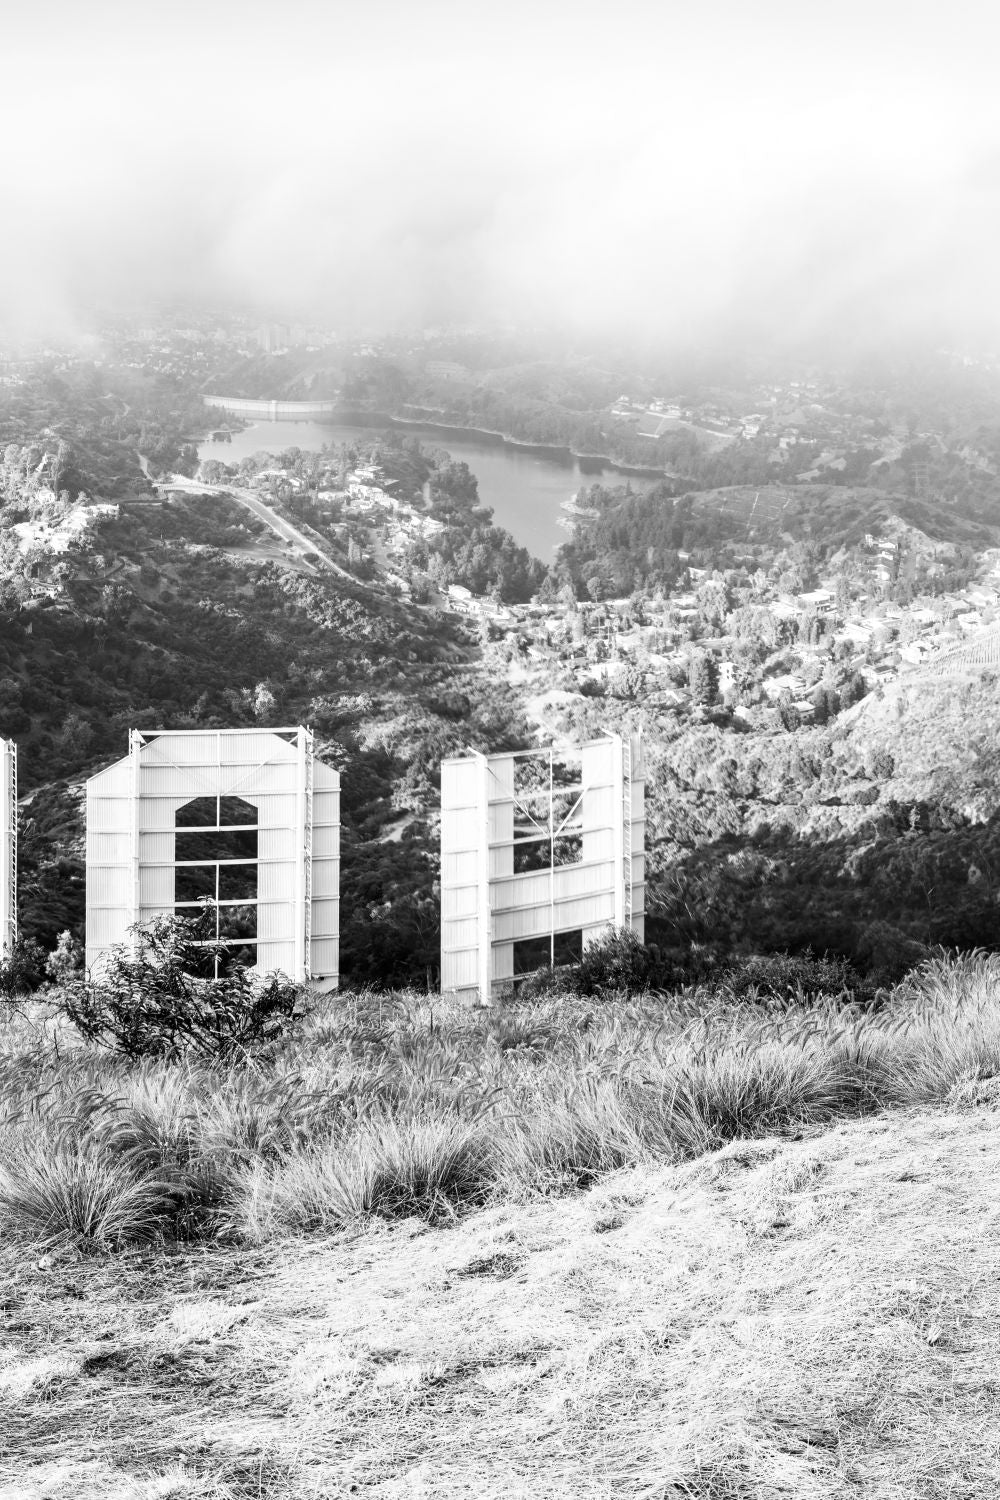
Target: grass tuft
point(389, 1106)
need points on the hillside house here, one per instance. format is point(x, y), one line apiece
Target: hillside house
point(817, 601)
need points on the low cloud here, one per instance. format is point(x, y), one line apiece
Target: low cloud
point(663, 177)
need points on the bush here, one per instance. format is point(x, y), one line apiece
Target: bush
point(23, 968)
point(56, 1189)
point(617, 961)
point(792, 976)
point(543, 983)
point(392, 1167)
point(66, 959)
point(160, 998)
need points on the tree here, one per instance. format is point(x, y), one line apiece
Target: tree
point(629, 682)
point(703, 678)
point(264, 701)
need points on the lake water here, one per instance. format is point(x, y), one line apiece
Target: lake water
point(525, 489)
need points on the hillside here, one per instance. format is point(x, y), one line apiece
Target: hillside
point(811, 1316)
point(635, 540)
point(180, 612)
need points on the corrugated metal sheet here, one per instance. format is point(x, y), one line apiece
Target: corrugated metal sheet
point(460, 788)
point(131, 837)
point(325, 878)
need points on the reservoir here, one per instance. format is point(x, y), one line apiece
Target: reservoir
point(525, 488)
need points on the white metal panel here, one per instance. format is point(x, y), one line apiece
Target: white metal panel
point(463, 969)
point(460, 934)
point(278, 956)
point(325, 878)
point(326, 917)
point(275, 880)
point(500, 779)
point(267, 769)
point(458, 784)
point(458, 829)
point(109, 813)
point(326, 841)
point(157, 848)
point(8, 844)
point(583, 880)
point(112, 885)
point(483, 901)
point(501, 822)
point(502, 962)
point(459, 901)
point(459, 869)
point(106, 926)
point(273, 810)
point(110, 849)
point(325, 957)
point(156, 885)
point(278, 843)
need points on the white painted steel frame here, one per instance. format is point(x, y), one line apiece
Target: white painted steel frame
point(131, 834)
point(486, 907)
point(8, 845)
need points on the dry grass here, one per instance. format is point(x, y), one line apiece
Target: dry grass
point(778, 1318)
point(398, 1106)
point(364, 1266)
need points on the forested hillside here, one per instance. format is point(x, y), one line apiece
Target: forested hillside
point(159, 620)
point(872, 832)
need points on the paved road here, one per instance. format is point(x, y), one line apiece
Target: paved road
point(289, 533)
point(252, 502)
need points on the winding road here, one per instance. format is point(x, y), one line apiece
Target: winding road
point(281, 528)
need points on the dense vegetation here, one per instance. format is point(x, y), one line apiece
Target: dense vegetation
point(391, 1105)
point(871, 835)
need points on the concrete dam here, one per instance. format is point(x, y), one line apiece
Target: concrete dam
point(273, 411)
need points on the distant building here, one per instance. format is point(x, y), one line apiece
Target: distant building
point(817, 601)
point(272, 337)
point(446, 369)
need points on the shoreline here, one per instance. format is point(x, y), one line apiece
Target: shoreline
point(558, 452)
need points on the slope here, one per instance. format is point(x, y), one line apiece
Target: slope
point(808, 1316)
point(167, 615)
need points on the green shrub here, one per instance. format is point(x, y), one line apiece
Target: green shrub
point(57, 1184)
point(160, 998)
point(23, 968)
point(546, 983)
point(792, 977)
point(391, 1167)
point(616, 962)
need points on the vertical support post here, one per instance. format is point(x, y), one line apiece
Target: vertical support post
point(11, 913)
point(135, 883)
point(8, 823)
point(616, 750)
point(299, 894)
point(552, 871)
point(307, 867)
point(626, 821)
point(485, 923)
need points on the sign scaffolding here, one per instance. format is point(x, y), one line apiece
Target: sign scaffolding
point(541, 851)
point(245, 822)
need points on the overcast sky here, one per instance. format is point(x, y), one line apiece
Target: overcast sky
point(674, 171)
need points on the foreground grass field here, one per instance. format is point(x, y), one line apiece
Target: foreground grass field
point(365, 1266)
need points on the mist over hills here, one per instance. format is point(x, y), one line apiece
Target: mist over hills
point(677, 179)
point(775, 822)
